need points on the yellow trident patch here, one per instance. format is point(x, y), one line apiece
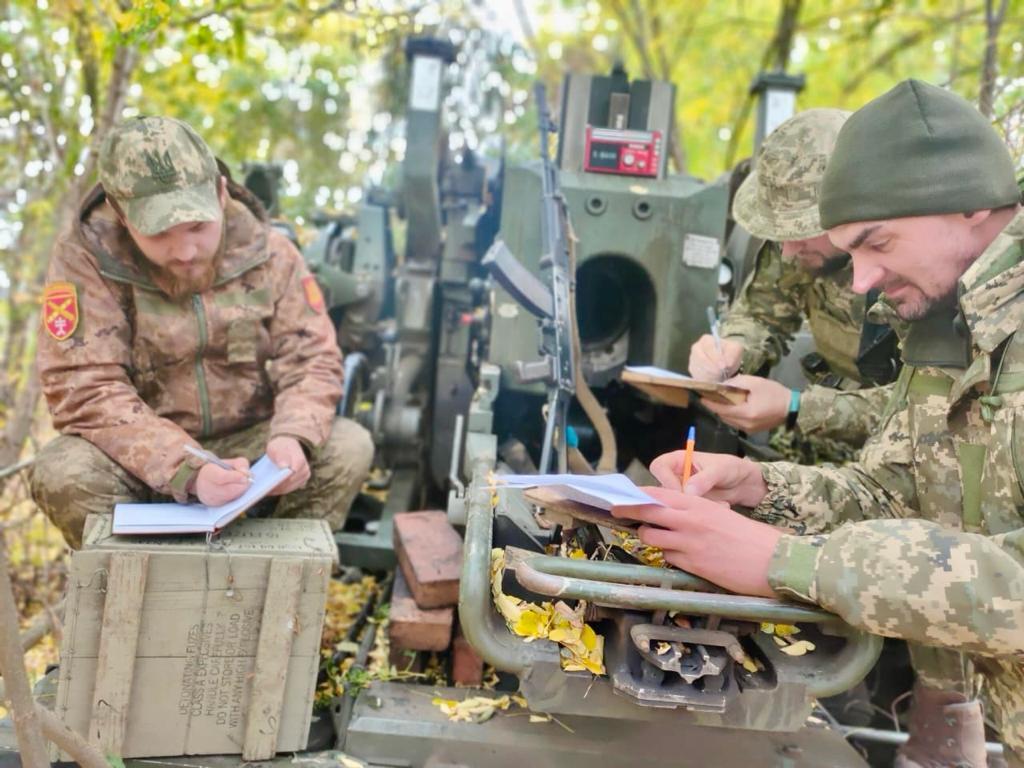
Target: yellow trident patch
point(60, 310)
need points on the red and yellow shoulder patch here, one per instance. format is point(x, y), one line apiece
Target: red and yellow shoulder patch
point(60, 310)
point(314, 297)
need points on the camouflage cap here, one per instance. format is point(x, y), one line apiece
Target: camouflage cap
point(779, 199)
point(161, 173)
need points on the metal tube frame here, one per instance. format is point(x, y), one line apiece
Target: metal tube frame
point(621, 585)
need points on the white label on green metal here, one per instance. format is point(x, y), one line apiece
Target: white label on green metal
point(425, 92)
point(780, 106)
point(701, 251)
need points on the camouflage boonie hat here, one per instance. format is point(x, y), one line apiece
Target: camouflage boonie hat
point(779, 199)
point(160, 173)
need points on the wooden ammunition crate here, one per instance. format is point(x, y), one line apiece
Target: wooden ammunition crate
point(178, 646)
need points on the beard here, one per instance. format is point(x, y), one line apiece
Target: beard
point(196, 278)
point(829, 265)
point(924, 306)
point(933, 295)
point(179, 284)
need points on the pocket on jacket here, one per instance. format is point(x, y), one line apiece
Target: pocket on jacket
point(243, 341)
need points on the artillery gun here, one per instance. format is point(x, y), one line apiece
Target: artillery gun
point(603, 258)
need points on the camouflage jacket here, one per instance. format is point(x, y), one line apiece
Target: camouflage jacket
point(142, 375)
point(950, 452)
point(767, 314)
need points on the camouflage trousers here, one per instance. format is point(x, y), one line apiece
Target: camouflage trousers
point(72, 478)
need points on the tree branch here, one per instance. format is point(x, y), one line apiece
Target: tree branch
point(80, 750)
point(993, 24)
point(16, 685)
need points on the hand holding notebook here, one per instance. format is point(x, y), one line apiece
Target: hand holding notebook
point(169, 517)
point(674, 388)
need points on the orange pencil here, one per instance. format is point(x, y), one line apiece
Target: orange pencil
point(691, 438)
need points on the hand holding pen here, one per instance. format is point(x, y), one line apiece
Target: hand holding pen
point(212, 458)
point(713, 323)
point(713, 358)
point(219, 481)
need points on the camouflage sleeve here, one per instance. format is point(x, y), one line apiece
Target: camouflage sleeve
point(914, 580)
point(880, 484)
point(87, 385)
point(768, 310)
point(305, 368)
point(850, 416)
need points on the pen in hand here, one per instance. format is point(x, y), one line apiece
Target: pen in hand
point(211, 458)
point(691, 439)
point(713, 322)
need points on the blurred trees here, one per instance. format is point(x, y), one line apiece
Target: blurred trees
point(850, 51)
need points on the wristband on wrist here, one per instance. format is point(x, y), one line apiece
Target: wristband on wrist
point(794, 409)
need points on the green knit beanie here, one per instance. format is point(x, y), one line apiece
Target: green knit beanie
point(917, 150)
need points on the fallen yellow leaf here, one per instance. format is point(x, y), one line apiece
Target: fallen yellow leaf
point(799, 648)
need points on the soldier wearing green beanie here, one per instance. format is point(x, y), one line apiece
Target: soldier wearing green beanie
point(925, 532)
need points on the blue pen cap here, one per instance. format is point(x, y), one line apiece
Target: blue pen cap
point(692, 434)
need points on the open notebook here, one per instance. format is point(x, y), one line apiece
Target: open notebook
point(601, 491)
point(169, 517)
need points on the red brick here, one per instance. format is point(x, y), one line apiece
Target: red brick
point(413, 628)
point(430, 556)
point(467, 666)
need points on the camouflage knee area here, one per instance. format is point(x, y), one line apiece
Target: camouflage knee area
point(943, 669)
point(337, 471)
point(1003, 692)
point(71, 478)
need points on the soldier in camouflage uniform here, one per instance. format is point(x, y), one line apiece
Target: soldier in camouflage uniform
point(923, 537)
point(798, 273)
point(175, 316)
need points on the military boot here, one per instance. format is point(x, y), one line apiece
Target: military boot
point(946, 731)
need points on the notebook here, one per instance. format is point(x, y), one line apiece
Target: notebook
point(169, 517)
point(674, 388)
point(601, 491)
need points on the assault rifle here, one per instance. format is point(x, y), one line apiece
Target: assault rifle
point(550, 303)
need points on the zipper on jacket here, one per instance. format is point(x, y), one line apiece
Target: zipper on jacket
point(204, 393)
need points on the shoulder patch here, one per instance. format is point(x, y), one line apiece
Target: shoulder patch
point(60, 310)
point(314, 296)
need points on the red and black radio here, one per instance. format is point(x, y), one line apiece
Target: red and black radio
point(622, 152)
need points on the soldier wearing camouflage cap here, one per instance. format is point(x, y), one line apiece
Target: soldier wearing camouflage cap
point(798, 274)
point(926, 530)
point(175, 317)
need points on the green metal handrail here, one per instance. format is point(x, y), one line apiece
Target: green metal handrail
point(640, 587)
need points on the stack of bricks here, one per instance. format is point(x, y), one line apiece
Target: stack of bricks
point(426, 592)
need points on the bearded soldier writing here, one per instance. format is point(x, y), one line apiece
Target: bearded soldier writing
point(175, 316)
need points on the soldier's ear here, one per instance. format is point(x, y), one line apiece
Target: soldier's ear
point(222, 191)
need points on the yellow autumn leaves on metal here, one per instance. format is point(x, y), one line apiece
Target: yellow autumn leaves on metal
point(783, 634)
point(582, 648)
point(645, 554)
point(476, 709)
